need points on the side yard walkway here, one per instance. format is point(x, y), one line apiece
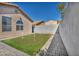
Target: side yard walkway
point(6, 50)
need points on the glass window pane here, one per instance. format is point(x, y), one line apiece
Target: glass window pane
point(19, 25)
point(6, 23)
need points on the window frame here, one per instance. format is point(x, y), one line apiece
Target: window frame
point(6, 25)
point(19, 26)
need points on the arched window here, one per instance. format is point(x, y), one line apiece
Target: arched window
point(19, 25)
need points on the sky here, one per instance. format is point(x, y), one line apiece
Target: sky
point(40, 11)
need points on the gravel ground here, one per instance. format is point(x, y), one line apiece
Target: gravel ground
point(56, 47)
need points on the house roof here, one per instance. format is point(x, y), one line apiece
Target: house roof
point(54, 21)
point(60, 21)
point(37, 23)
point(16, 6)
point(51, 22)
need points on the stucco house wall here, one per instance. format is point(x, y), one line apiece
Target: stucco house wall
point(27, 24)
point(46, 29)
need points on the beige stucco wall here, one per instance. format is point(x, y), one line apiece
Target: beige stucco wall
point(8, 9)
point(46, 29)
point(27, 26)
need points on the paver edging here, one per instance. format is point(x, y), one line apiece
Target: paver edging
point(46, 45)
point(24, 54)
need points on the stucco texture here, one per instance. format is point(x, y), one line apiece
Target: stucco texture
point(27, 29)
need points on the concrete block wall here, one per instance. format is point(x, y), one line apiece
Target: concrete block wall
point(69, 29)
